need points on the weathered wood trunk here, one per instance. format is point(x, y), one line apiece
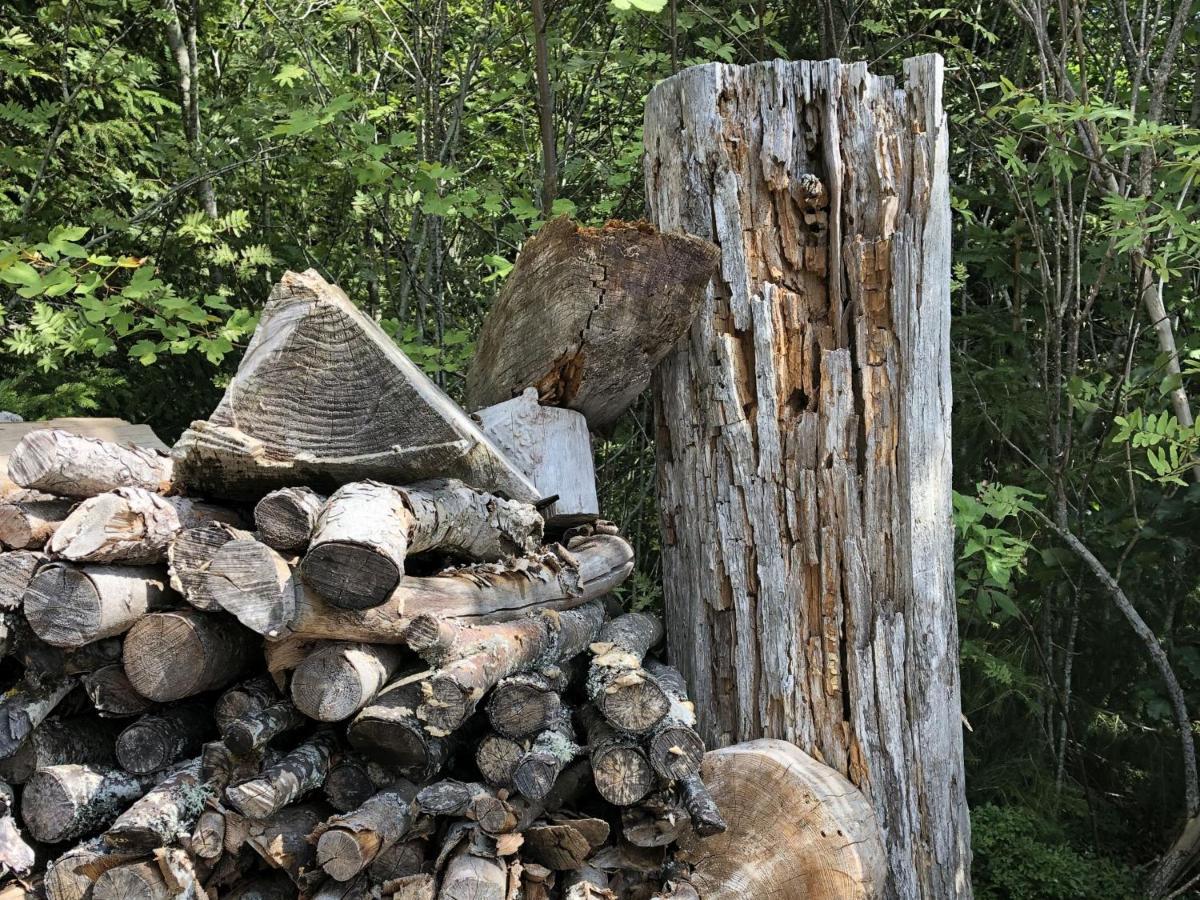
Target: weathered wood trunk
point(804, 433)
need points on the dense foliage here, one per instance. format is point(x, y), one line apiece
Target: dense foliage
point(165, 160)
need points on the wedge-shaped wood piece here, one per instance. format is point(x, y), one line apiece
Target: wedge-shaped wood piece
point(587, 313)
point(774, 796)
point(323, 397)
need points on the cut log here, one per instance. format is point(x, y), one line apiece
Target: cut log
point(25, 707)
point(773, 795)
point(418, 886)
point(342, 678)
point(43, 662)
point(674, 747)
point(172, 655)
point(251, 696)
point(17, 568)
point(300, 771)
point(488, 592)
point(208, 834)
point(701, 807)
point(471, 877)
point(365, 531)
point(28, 524)
point(136, 881)
point(595, 309)
point(78, 739)
point(164, 815)
point(69, 465)
point(829, 323)
point(112, 694)
point(347, 844)
point(474, 801)
point(189, 555)
point(63, 802)
point(130, 525)
point(452, 692)
point(271, 887)
point(71, 876)
point(389, 732)
point(587, 883)
point(252, 731)
point(365, 412)
point(621, 689)
point(155, 741)
point(556, 846)
point(251, 581)
point(620, 769)
point(496, 757)
point(286, 518)
point(524, 704)
point(69, 606)
point(548, 755)
point(553, 447)
point(282, 842)
point(352, 780)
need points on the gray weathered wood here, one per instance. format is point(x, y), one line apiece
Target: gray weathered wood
point(164, 814)
point(63, 802)
point(625, 694)
point(348, 843)
point(189, 556)
point(620, 769)
point(674, 747)
point(112, 694)
point(172, 655)
point(389, 732)
point(70, 465)
point(156, 740)
point(251, 731)
point(286, 517)
point(341, 678)
point(300, 771)
point(804, 465)
point(69, 606)
point(76, 739)
point(25, 706)
point(366, 411)
point(249, 580)
point(17, 568)
point(28, 524)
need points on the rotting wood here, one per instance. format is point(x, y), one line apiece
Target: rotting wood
point(251, 731)
point(67, 801)
point(674, 747)
point(164, 814)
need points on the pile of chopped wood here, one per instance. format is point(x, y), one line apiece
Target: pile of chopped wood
point(337, 644)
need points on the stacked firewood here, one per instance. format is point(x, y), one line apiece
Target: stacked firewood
point(219, 685)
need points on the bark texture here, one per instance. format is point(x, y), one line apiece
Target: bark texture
point(70, 465)
point(804, 433)
point(69, 606)
point(340, 679)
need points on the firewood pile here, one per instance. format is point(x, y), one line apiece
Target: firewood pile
point(344, 641)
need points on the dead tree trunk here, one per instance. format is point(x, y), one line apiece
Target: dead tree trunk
point(804, 433)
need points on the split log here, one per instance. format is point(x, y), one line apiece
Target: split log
point(556, 846)
point(674, 747)
point(471, 800)
point(620, 769)
point(347, 844)
point(112, 694)
point(300, 771)
point(366, 412)
point(366, 530)
point(497, 757)
point(525, 703)
point(68, 465)
point(830, 322)
point(701, 808)
point(63, 802)
point(71, 876)
point(452, 692)
point(69, 606)
point(617, 684)
point(287, 517)
point(418, 886)
point(172, 655)
point(389, 732)
point(155, 741)
point(252, 731)
point(341, 678)
point(249, 697)
point(78, 739)
point(28, 524)
point(17, 568)
point(553, 447)
point(489, 592)
point(471, 877)
point(249, 580)
point(596, 309)
point(25, 707)
point(548, 755)
point(130, 525)
point(136, 881)
point(165, 814)
point(189, 555)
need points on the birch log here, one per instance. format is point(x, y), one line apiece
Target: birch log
point(804, 454)
point(286, 517)
point(69, 606)
point(172, 655)
point(70, 465)
point(338, 680)
point(28, 524)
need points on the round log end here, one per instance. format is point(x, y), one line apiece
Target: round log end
point(285, 519)
point(447, 704)
point(622, 775)
point(350, 576)
point(142, 881)
point(497, 757)
point(400, 743)
point(534, 775)
point(522, 709)
point(327, 687)
point(493, 814)
point(48, 807)
point(340, 854)
point(63, 606)
point(33, 459)
point(15, 527)
point(164, 656)
point(676, 752)
point(635, 706)
point(141, 750)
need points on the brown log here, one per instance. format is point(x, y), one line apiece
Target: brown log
point(485, 593)
point(497, 757)
point(136, 881)
point(63, 802)
point(596, 309)
point(621, 771)
point(497, 651)
point(418, 886)
point(286, 517)
point(254, 583)
point(25, 707)
point(164, 814)
point(79, 739)
point(283, 841)
point(129, 525)
point(471, 877)
point(189, 556)
point(617, 684)
point(365, 412)
point(253, 730)
point(112, 694)
point(17, 568)
point(341, 678)
point(172, 655)
point(547, 756)
point(389, 732)
point(71, 875)
point(208, 834)
point(556, 846)
point(156, 740)
point(674, 747)
point(525, 703)
point(69, 606)
point(68, 465)
point(469, 799)
point(347, 844)
point(300, 771)
point(251, 696)
point(28, 524)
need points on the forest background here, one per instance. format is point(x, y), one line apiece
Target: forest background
point(162, 162)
